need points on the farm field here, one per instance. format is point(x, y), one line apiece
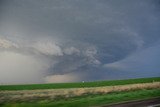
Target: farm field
point(93, 95)
point(78, 85)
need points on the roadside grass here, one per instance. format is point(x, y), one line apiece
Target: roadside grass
point(91, 100)
point(56, 94)
point(78, 85)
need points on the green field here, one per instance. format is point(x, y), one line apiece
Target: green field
point(78, 85)
point(90, 100)
point(9, 93)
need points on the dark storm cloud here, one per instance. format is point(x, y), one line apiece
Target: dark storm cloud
point(78, 37)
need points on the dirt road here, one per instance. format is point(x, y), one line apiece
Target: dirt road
point(142, 103)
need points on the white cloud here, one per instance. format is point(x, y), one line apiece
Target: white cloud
point(4, 43)
point(48, 48)
point(71, 50)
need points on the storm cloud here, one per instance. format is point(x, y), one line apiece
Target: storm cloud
point(78, 40)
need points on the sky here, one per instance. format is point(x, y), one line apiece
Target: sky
point(54, 41)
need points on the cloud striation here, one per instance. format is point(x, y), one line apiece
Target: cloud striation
point(77, 40)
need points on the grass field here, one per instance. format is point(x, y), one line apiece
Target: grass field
point(79, 94)
point(78, 85)
point(90, 100)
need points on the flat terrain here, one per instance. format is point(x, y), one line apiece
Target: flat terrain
point(95, 94)
point(86, 100)
point(154, 102)
point(78, 85)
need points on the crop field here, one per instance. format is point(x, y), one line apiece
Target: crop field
point(78, 85)
point(79, 94)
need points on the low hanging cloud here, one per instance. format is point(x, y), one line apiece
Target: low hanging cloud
point(42, 62)
point(59, 41)
point(62, 78)
point(20, 68)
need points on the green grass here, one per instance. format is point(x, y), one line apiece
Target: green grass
point(78, 85)
point(92, 100)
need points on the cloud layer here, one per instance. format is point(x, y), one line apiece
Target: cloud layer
point(76, 40)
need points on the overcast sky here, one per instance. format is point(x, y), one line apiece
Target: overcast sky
point(45, 41)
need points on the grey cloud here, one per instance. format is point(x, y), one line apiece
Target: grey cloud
point(79, 36)
point(141, 63)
